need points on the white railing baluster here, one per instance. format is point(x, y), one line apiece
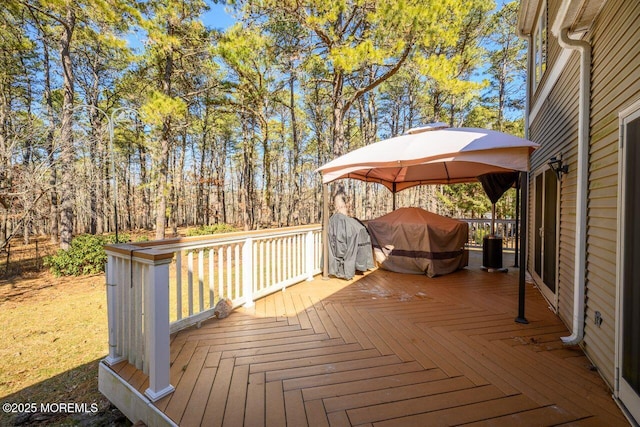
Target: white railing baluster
point(317, 251)
point(229, 293)
point(255, 286)
point(136, 320)
point(179, 285)
point(190, 282)
point(220, 273)
point(280, 259)
point(289, 270)
point(123, 284)
point(300, 254)
point(128, 311)
point(286, 254)
point(273, 247)
point(308, 255)
point(238, 271)
point(261, 267)
point(211, 278)
point(201, 279)
point(247, 276)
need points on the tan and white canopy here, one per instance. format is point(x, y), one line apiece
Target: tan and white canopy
point(434, 154)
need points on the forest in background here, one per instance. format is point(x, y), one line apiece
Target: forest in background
point(196, 125)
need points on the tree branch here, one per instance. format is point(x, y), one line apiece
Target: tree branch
point(375, 83)
point(45, 12)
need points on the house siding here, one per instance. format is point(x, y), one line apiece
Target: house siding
point(615, 84)
point(556, 129)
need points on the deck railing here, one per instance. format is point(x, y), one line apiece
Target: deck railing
point(478, 228)
point(157, 288)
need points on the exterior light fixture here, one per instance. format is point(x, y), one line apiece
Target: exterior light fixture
point(556, 165)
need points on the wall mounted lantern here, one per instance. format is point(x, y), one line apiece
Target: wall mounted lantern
point(556, 165)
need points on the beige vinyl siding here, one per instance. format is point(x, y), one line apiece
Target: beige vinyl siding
point(615, 85)
point(556, 129)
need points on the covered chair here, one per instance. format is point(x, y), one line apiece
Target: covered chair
point(349, 247)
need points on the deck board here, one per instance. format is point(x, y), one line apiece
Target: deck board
point(195, 408)
point(234, 410)
point(274, 397)
point(255, 405)
point(385, 349)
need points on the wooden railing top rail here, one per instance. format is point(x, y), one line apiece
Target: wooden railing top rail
point(168, 246)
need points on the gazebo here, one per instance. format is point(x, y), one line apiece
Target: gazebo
point(438, 154)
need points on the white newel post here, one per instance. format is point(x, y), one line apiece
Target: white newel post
point(247, 272)
point(156, 323)
point(113, 290)
point(309, 254)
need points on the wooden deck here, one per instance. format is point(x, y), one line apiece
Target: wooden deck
point(385, 349)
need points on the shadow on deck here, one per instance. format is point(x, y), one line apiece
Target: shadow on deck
point(385, 349)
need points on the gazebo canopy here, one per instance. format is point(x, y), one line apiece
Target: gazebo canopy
point(433, 154)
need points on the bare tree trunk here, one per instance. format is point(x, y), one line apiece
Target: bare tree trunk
point(95, 151)
point(177, 189)
point(5, 163)
point(266, 167)
point(129, 200)
point(165, 142)
point(94, 174)
point(246, 184)
point(146, 196)
point(295, 175)
point(161, 185)
point(66, 134)
point(202, 205)
point(101, 199)
point(53, 229)
point(220, 162)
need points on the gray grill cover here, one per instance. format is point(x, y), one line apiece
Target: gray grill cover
point(412, 240)
point(349, 247)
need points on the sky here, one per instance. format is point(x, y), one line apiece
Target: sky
point(217, 17)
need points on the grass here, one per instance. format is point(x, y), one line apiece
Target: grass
point(54, 335)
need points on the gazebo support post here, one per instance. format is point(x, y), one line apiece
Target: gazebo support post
point(524, 186)
point(493, 219)
point(393, 191)
point(517, 230)
point(325, 231)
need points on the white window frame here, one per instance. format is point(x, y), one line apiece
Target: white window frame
point(540, 46)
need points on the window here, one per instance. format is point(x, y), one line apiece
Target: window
point(540, 46)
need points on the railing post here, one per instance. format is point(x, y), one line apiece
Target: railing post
point(247, 272)
point(157, 332)
point(113, 290)
point(309, 251)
